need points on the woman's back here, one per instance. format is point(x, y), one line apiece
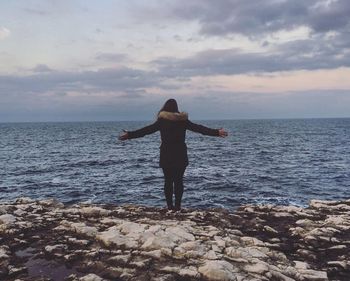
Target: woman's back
point(172, 128)
point(173, 151)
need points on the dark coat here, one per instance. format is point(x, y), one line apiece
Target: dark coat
point(172, 127)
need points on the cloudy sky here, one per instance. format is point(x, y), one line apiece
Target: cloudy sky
point(67, 60)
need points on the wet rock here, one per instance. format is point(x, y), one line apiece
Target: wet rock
point(143, 243)
point(51, 202)
point(24, 200)
point(13, 270)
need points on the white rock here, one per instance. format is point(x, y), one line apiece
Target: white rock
point(191, 249)
point(113, 221)
point(279, 276)
point(170, 269)
point(301, 265)
point(324, 231)
point(282, 215)
point(338, 247)
point(4, 209)
point(81, 242)
point(314, 275)
point(154, 228)
point(321, 203)
point(54, 248)
point(218, 271)
point(166, 252)
point(94, 211)
point(51, 202)
point(153, 254)
point(251, 241)
point(179, 234)
point(91, 277)
point(189, 272)
point(289, 209)
point(211, 255)
point(3, 253)
point(19, 212)
point(305, 223)
point(216, 249)
point(158, 242)
point(131, 228)
point(338, 220)
point(259, 268)
point(120, 259)
point(343, 264)
point(270, 229)
point(245, 253)
point(82, 228)
point(112, 236)
point(219, 241)
point(7, 219)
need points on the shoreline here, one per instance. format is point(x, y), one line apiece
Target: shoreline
point(47, 240)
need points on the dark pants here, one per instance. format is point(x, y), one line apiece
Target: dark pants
point(173, 184)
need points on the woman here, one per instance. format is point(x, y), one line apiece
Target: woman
point(173, 151)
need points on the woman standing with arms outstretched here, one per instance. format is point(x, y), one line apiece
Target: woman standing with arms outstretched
point(173, 151)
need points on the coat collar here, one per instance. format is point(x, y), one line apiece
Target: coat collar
point(173, 116)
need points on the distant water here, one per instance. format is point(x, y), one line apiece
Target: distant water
point(262, 161)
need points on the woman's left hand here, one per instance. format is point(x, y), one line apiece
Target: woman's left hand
point(124, 136)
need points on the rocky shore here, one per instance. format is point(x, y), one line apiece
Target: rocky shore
point(47, 240)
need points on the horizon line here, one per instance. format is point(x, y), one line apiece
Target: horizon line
point(149, 120)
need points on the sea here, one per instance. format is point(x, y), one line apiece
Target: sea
point(279, 162)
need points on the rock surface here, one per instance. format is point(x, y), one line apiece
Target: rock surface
point(47, 240)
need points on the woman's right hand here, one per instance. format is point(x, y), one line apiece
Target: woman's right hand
point(222, 133)
point(124, 136)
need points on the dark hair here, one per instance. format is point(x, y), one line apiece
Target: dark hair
point(170, 105)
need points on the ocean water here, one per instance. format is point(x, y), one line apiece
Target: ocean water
point(261, 161)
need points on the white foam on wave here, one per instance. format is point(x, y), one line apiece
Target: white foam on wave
point(56, 180)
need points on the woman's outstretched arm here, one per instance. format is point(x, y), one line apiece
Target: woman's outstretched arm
point(150, 129)
point(205, 130)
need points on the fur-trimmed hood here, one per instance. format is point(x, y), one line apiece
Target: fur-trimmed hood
point(173, 116)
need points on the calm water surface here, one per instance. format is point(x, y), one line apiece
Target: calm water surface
point(262, 161)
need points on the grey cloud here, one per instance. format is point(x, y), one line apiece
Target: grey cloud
point(327, 46)
point(254, 18)
point(334, 16)
point(43, 96)
point(122, 79)
point(290, 56)
point(112, 57)
point(36, 11)
point(241, 105)
point(41, 68)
